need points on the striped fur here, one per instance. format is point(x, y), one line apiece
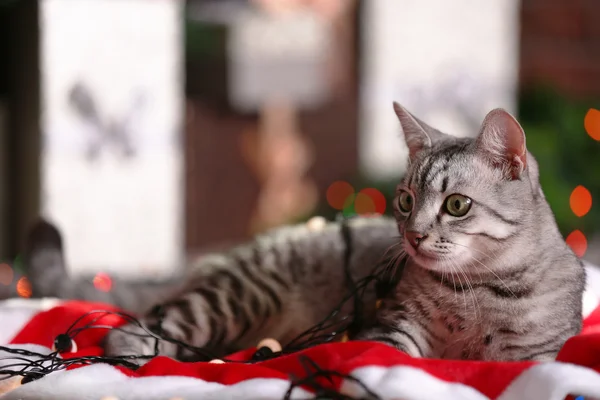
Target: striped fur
point(278, 285)
point(497, 283)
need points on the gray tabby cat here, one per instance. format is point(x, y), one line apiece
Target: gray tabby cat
point(489, 275)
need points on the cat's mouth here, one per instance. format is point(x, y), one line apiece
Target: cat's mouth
point(422, 256)
point(428, 261)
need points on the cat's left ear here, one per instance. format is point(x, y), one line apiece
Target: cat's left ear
point(502, 141)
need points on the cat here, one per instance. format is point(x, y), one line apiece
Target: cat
point(489, 276)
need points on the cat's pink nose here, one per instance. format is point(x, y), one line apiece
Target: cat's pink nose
point(415, 238)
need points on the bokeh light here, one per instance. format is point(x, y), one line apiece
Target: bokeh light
point(578, 242)
point(364, 204)
point(102, 282)
point(377, 199)
point(338, 194)
point(580, 201)
point(592, 123)
point(348, 209)
point(24, 287)
point(6, 274)
point(368, 202)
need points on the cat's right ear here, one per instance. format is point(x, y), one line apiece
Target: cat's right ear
point(417, 135)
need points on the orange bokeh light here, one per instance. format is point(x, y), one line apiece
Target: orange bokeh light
point(364, 205)
point(102, 282)
point(338, 194)
point(24, 287)
point(369, 201)
point(578, 242)
point(580, 201)
point(6, 274)
point(378, 199)
point(592, 123)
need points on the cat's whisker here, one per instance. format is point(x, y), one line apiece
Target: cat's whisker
point(496, 275)
point(395, 261)
point(442, 280)
point(486, 267)
point(478, 251)
point(473, 295)
point(455, 265)
point(453, 281)
point(393, 247)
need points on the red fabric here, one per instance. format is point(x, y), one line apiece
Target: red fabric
point(43, 328)
point(490, 378)
point(584, 349)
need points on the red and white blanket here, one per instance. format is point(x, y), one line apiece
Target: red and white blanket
point(390, 374)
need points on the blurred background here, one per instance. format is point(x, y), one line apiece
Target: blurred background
point(151, 131)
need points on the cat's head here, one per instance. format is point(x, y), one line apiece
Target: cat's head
point(464, 200)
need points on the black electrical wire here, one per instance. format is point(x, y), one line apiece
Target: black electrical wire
point(385, 277)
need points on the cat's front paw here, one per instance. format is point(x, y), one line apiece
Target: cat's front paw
point(129, 340)
point(398, 340)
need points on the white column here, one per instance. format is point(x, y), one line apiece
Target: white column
point(120, 209)
point(449, 62)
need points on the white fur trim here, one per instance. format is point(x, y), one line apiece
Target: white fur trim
point(407, 383)
point(96, 381)
point(554, 381)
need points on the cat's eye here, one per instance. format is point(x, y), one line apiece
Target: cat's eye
point(458, 205)
point(405, 202)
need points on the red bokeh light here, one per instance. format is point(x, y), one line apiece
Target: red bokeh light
point(24, 287)
point(577, 242)
point(580, 201)
point(338, 194)
point(102, 282)
point(377, 198)
point(592, 123)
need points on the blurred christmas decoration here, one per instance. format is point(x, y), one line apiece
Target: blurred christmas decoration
point(577, 242)
point(592, 123)
point(24, 287)
point(102, 282)
point(580, 201)
point(338, 193)
point(280, 157)
point(341, 196)
point(114, 133)
point(556, 128)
